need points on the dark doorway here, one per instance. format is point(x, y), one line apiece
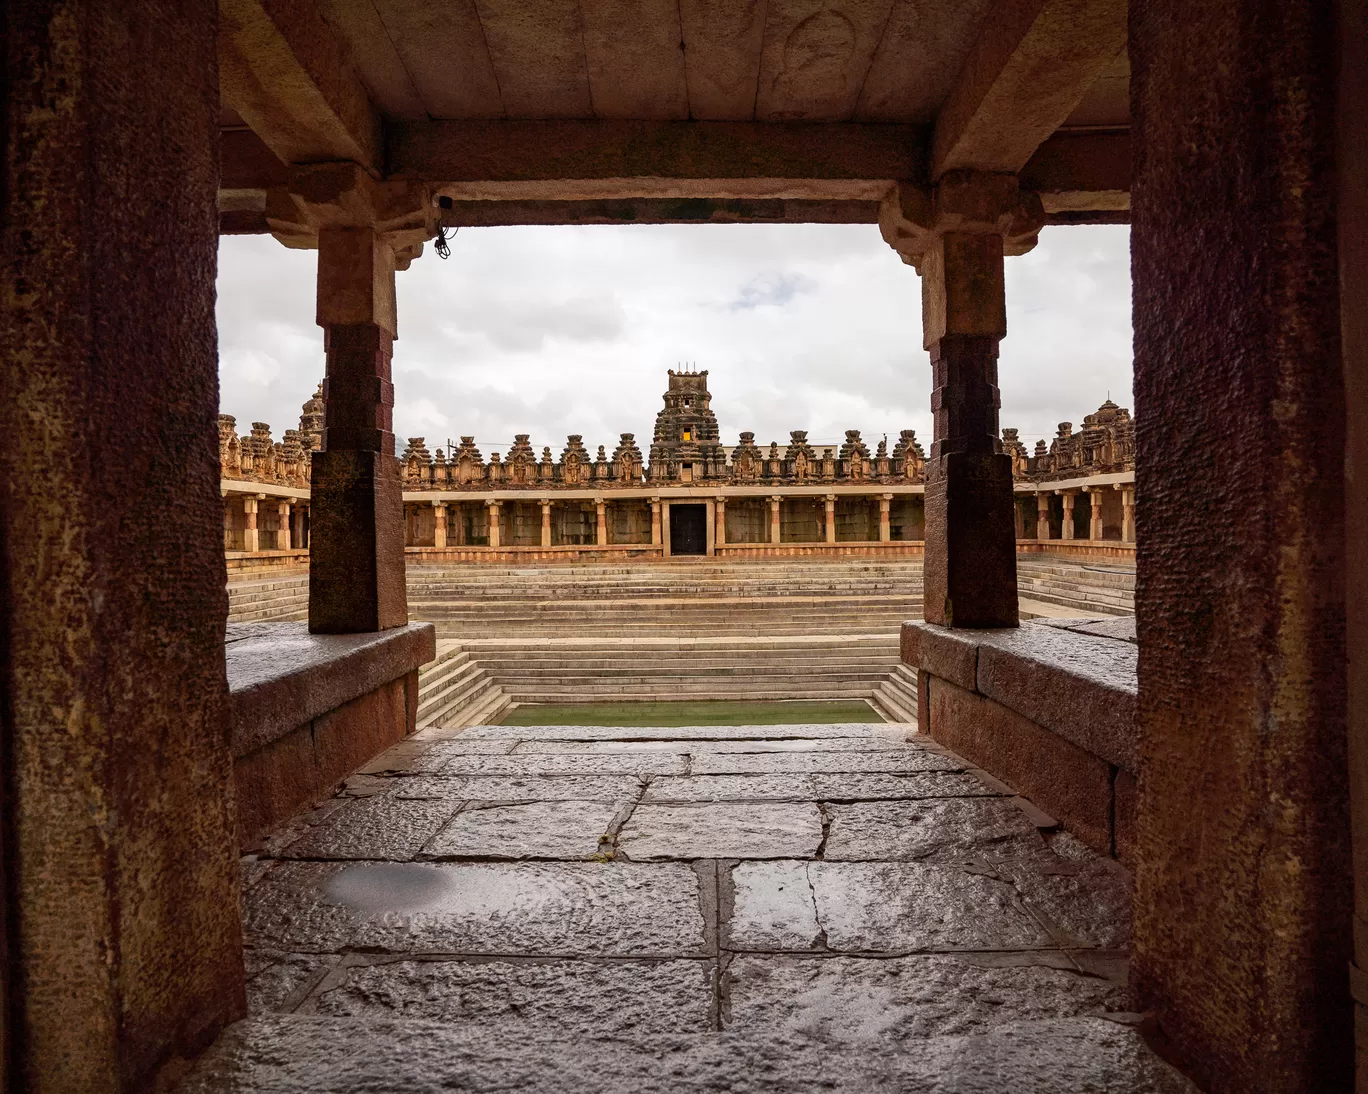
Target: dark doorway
point(688, 530)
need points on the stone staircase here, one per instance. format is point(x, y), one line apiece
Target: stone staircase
point(274, 599)
point(456, 690)
point(1085, 589)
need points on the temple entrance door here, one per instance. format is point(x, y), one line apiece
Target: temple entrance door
point(688, 529)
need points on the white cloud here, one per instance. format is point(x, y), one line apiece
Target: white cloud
point(551, 331)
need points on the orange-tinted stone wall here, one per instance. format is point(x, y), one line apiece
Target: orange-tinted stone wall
point(1242, 937)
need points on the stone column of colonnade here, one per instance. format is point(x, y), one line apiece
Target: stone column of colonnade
point(439, 524)
point(956, 235)
point(495, 527)
point(1042, 516)
point(546, 522)
point(885, 528)
point(600, 522)
point(283, 534)
point(1095, 512)
point(830, 518)
point(1067, 531)
point(1128, 514)
point(721, 522)
point(776, 522)
point(656, 538)
point(251, 538)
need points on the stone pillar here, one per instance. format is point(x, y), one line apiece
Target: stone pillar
point(283, 523)
point(251, 538)
point(439, 524)
point(721, 522)
point(356, 569)
point(665, 528)
point(776, 523)
point(1067, 529)
point(656, 538)
point(1042, 516)
point(885, 528)
point(546, 522)
point(495, 526)
point(1128, 514)
point(709, 528)
point(1243, 886)
point(601, 522)
point(1095, 513)
point(121, 864)
point(831, 518)
point(956, 235)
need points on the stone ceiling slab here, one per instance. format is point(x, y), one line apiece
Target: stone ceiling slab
point(538, 55)
point(442, 47)
point(723, 39)
point(634, 58)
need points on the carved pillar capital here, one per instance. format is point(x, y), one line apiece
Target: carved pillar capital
point(912, 218)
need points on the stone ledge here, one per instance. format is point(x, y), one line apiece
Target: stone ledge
point(1077, 684)
point(281, 677)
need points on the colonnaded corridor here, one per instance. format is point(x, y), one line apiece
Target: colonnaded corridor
point(752, 908)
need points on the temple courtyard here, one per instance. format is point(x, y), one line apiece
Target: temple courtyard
point(782, 907)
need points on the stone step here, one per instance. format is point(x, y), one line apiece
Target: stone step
point(647, 695)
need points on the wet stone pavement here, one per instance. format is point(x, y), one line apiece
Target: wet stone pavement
point(756, 908)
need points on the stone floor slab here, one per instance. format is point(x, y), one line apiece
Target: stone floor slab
point(523, 908)
point(622, 763)
point(554, 830)
point(877, 907)
point(721, 830)
point(894, 761)
point(937, 830)
point(586, 998)
point(846, 999)
point(294, 1054)
point(815, 786)
point(883, 786)
point(534, 788)
point(379, 827)
point(1084, 898)
point(802, 744)
point(280, 981)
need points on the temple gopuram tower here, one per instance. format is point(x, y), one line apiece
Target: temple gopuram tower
point(685, 446)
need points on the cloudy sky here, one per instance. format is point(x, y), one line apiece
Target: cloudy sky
point(551, 331)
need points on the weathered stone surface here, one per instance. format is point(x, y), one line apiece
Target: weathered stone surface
point(772, 908)
point(584, 998)
point(381, 827)
point(501, 788)
point(1082, 896)
point(848, 999)
point(890, 760)
point(815, 786)
point(488, 908)
point(292, 1054)
point(801, 744)
point(942, 830)
point(623, 763)
point(279, 981)
point(721, 830)
point(679, 733)
point(952, 655)
point(563, 830)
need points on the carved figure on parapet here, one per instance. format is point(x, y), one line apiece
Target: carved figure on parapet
point(627, 460)
point(467, 465)
point(574, 466)
point(521, 465)
point(909, 461)
point(257, 458)
point(416, 461)
point(1011, 444)
point(1105, 445)
point(801, 458)
point(601, 470)
point(547, 471)
point(855, 456)
point(746, 459)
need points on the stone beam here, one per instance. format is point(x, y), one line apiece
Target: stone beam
point(462, 214)
point(1080, 175)
point(606, 160)
point(1033, 63)
point(284, 71)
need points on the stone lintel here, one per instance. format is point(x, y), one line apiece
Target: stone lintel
point(280, 676)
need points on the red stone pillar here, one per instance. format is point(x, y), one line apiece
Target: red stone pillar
point(956, 235)
point(251, 537)
point(495, 529)
point(356, 568)
point(885, 527)
point(601, 522)
point(830, 516)
point(656, 540)
point(546, 523)
point(1042, 516)
point(721, 522)
point(1067, 531)
point(776, 523)
point(1128, 514)
point(283, 534)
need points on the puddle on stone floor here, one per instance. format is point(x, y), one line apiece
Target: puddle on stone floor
point(374, 889)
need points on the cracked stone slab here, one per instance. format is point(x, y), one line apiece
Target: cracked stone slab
point(279, 981)
point(894, 761)
point(575, 997)
point(847, 999)
point(379, 827)
point(878, 907)
point(815, 786)
point(686, 733)
point(562, 830)
point(722, 830)
point(942, 830)
point(294, 1054)
point(530, 908)
point(507, 788)
point(622, 763)
point(1084, 897)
